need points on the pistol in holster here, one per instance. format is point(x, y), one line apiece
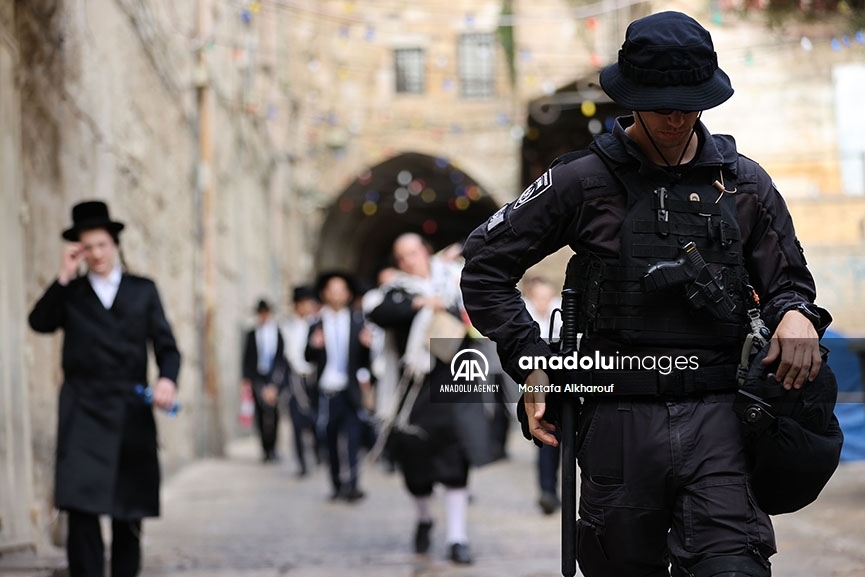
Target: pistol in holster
point(704, 289)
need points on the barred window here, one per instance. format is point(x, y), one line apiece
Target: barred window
point(476, 65)
point(409, 63)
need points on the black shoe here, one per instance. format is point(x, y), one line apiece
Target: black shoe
point(422, 537)
point(460, 554)
point(337, 495)
point(353, 495)
point(549, 503)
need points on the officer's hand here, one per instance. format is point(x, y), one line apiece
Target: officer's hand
point(797, 342)
point(536, 406)
point(164, 393)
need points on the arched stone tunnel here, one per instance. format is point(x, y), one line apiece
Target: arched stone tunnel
point(410, 192)
point(430, 195)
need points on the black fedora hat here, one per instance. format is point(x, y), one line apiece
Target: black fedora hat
point(89, 215)
point(304, 292)
point(667, 61)
point(325, 278)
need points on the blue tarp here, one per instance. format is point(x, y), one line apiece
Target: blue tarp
point(850, 410)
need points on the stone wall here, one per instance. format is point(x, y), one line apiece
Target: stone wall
point(108, 111)
point(16, 458)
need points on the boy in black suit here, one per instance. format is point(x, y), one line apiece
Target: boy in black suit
point(265, 370)
point(339, 345)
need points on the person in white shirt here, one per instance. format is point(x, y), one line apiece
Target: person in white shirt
point(339, 346)
point(303, 395)
point(426, 438)
point(265, 371)
point(541, 300)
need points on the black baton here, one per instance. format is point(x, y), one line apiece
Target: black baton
point(569, 490)
point(567, 437)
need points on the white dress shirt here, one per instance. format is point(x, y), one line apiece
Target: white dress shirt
point(336, 326)
point(266, 343)
point(544, 319)
point(106, 287)
point(295, 333)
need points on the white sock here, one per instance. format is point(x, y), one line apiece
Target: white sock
point(456, 512)
point(423, 511)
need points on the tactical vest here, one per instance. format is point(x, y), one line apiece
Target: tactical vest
point(693, 303)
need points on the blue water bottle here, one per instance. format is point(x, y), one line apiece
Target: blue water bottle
point(146, 393)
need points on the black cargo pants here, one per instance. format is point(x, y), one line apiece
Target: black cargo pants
point(664, 483)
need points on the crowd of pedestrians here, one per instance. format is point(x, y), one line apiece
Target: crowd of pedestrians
point(352, 369)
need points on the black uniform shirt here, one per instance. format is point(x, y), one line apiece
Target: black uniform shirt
point(555, 211)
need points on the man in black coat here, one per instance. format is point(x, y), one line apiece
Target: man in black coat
point(302, 391)
point(433, 442)
point(265, 370)
point(107, 461)
point(339, 346)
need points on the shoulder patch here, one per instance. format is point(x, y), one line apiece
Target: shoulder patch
point(593, 182)
point(497, 218)
point(535, 189)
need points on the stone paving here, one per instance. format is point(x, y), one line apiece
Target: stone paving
point(238, 517)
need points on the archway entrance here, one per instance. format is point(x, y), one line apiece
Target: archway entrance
point(407, 193)
point(562, 122)
point(565, 121)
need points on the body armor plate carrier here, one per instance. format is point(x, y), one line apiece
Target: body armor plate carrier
point(679, 277)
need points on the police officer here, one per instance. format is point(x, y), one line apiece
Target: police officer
point(664, 480)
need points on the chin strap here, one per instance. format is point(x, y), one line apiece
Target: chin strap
point(655, 146)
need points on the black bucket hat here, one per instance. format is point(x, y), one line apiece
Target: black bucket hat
point(89, 215)
point(667, 61)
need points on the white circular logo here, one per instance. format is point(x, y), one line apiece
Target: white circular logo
point(470, 368)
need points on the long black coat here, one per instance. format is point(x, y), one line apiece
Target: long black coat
point(358, 356)
point(456, 432)
point(107, 459)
